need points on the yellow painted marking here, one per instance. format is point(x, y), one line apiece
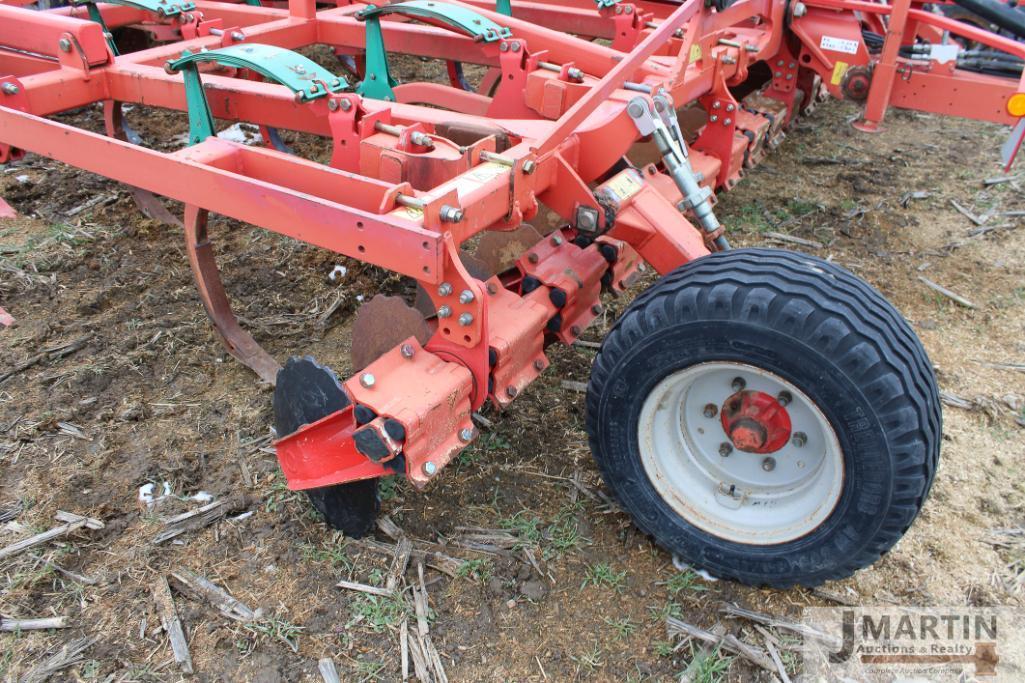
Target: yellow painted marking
point(695, 53)
point(410, 213)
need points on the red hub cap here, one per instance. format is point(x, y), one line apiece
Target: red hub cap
point(755, 422)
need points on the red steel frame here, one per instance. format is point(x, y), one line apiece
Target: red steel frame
point(562, 133)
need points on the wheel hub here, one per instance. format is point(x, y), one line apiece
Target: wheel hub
point(755, 422)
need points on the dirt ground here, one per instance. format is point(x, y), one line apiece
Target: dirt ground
point(146, 396)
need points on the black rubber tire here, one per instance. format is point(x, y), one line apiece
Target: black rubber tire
point(304, 393)
point(822, 329)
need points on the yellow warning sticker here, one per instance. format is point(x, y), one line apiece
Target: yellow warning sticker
point(479, 175)
point(623, 185)
point(695, 53)
point(838, 71)
point(410, 213)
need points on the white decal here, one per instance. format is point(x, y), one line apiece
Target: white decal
point(832, 44)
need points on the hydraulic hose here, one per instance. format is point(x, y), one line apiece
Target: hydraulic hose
point(1004, 16)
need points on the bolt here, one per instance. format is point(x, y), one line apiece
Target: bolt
point(332, 105)
point(367, 380)
point(635, 109)
point(575, 330)
point(725, 449)
point(539, 365)
point(727, 121)
point(790, 77)
point(597, 309)
point(444, 289)
point(9, 89)
point(422, 139)
point(575, 73)
point(492, 288)
point(779, 63)
point(716, 104)
point(503, 47)
point(799, 439)
point(779, 74)
point(407, 350)
point(769, 464)
point(444, 312)
point(556, 241)
point(64, 44)
point(466, 296)
point(430, 468)
point(784, 398)
point(466, 434)
point(711, 410)
point(730, 107)
point(792, 65)
point(346, 105)
point(466, 319)
point(515, 47)
point(238, 36)
point(451, 214)
point(529, 166)
point(300, 69)
point(713, 118)
point(738, 384)
point(641, 268)
point(510, 391)
point(532, 257)
point(800, 9)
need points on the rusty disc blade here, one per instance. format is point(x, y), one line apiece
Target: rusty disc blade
point(382, 323)
point(498, 251)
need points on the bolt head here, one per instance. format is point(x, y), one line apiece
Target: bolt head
point(556, 240)
point(539, 365)
point(597, 309)
point(716, 104)
point(769, 464)
point(503, 47)
point(466, 319)
point(738, 383)
point(466, 434)
point(727, 121)
point(529, 166)
point(575, 330)
point(711, 410)
point(367, 380)
point(346, 105)
point(713, 118)
point(730, 107)
point(466, 296)
point(332, 105)
point(799, 439)
point(237, 36)
point(64, 44)
point(444, 312)
point(725, 449)
point(407, 350)
point(784, 398)
point(532, 257)
point(511, 391)
point(444, 289)
point(430, 468)
point(10, 89)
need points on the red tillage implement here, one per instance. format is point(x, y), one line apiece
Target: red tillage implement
point(764, 414)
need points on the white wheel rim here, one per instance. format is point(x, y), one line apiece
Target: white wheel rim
point(737, 497)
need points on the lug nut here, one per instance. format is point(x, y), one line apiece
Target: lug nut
point(367, 380)
point(466, 434)
point(769, 464)
point(711, 410)
point(784, 398)
point(799, 439)
point(725, 449)
point(738, 384)
point(444, 312)
point(407, 350)
point(444, 289)
point(430, 468)
point(465, 297)
point(466, 319)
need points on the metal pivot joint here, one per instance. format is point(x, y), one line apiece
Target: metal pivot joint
point(664, 128)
